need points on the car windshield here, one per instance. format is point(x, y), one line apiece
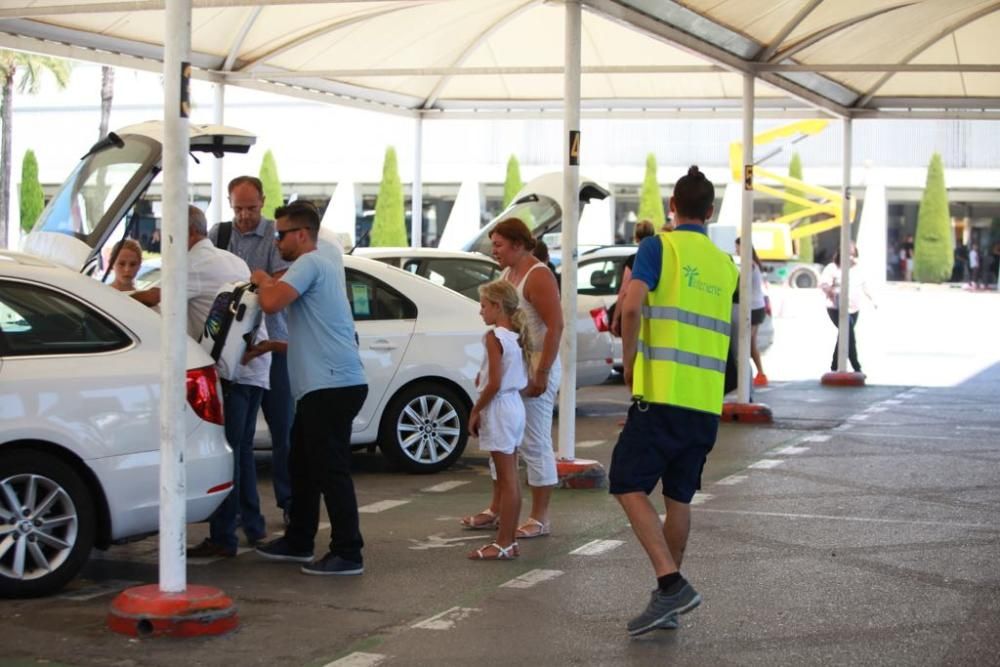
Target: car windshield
point(541, 214)
point(93, 187)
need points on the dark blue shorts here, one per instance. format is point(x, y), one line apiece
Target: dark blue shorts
point(662, 442)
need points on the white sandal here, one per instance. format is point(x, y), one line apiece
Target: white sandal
point(503, 553)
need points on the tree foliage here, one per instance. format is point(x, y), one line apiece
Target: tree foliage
point(273, 197)
point(933, 252)
point(806, 242)
point(512, 183)
point(23, 71)
point(650, 199)
point(32, 197)
point(389, 226)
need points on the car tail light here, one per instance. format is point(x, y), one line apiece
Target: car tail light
point(600, 317)
point(203, 394)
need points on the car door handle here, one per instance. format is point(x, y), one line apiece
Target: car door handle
point(382, 344)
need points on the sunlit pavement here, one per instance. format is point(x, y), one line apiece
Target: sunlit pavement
point(860, 528)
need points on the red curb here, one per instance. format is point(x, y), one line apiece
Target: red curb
point(146, 611)
point(581, 474)
point(747, 413)
point(845, 379)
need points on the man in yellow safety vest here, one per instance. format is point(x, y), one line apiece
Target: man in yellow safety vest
point(675, 335)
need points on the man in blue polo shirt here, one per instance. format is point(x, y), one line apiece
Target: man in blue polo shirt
point(329, 388)
point(675, 339)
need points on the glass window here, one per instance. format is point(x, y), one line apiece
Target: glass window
point(540, 214)
point(36, 320)
point(461, 275)
point(372, 299)
point(599, 277)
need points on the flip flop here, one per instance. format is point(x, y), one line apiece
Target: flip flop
point(532, 528)
point(485, 520)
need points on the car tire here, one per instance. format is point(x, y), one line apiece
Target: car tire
point(49, 540)
point(803, 278)
point(425, 428)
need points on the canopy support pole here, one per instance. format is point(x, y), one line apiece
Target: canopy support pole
point(845, 254)
point(746, 246)
point(416, 190)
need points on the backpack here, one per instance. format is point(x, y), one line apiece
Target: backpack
point(231, 325)
point(225, 232)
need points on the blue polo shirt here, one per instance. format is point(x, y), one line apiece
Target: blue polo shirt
point(649, 257)
point(322, 351)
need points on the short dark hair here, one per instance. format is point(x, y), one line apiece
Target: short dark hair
point(247, 180)
point(301, 212)
point(694, 195)
point(515, 231)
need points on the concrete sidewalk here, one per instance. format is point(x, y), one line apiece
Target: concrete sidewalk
point(862, 527)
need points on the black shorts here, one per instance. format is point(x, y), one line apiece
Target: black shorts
point(662, 442)
point(757, 316)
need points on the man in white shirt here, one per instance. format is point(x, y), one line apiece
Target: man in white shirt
point(209, 268)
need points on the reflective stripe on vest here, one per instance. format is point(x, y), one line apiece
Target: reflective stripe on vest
point(684, 334)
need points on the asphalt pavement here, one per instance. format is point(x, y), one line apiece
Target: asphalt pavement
point(860, 528)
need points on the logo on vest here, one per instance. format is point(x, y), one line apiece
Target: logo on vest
point(691, 277)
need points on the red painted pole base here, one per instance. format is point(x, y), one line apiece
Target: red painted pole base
point(843, 379)
point(146, 611)
point(747, 413)
point(581, 474)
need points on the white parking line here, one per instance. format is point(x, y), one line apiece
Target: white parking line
point(381, 506)
point(788, 451)
point(843, 427)
point(358, 659)
point(858, 418)
point(876, 408)
point(701, 498)
point(97, 590)
point(907, 395)
point(732, 479)
point(764, 464)
point(863, 519)
point(587, 444)
point(816, 438)
point(596, 547)
point(444, 486)
point(447, 619)
point(891, 401)
point(532, 577)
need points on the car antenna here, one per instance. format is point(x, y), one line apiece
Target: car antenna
point(111, 140)
point(364, 237)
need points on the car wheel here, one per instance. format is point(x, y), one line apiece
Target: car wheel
point(803, 278)
point(47, 524)
point(425, 428)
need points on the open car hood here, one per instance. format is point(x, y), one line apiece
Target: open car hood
point(106, 183)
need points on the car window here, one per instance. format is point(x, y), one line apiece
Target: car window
point(460, 275)
point(600, 277)
point(372, 299)
point(36, 320)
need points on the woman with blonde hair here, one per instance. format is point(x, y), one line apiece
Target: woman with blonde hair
point(538, 295)
point(127, 255)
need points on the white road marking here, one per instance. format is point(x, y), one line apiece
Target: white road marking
point(814, 400)
point(901, 436)
point(358, 659)
point(892, 401)
point(447, 619)
point(587, 444)
point(843, 427)
point(532, 577)
point(381, 506)
point(97, 590)
point(816, 438)
point(876, 408)
point(439, 542)
point(858, 418)
point(792, 450)
point(701, 498)
point(862, 519)
point(919, 390)
point(907, 395)
point(732, 479)
point(764, 464)
point(444, 486)
point(596, 547)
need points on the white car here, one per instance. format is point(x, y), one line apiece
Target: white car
point(464, 272)
point(79, 424)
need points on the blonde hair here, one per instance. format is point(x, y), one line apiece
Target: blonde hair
point(504, 294)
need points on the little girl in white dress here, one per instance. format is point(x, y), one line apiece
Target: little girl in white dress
point(497, 418)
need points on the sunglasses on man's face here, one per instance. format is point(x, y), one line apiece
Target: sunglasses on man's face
point(279, 234)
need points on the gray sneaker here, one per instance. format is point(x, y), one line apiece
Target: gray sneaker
point(663, 610)
point(333, 565)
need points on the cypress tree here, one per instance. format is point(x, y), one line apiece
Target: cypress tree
point(933, 252)
point(650, 199)
point(512, 184)
point(806, 242)
point(32, 197)
point(273, 197)
point(389, 226)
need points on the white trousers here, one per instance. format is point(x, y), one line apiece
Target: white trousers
point(536, 447)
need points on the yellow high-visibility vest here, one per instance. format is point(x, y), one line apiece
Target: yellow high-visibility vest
point(686, 321)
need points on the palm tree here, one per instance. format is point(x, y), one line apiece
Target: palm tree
point(25, 70)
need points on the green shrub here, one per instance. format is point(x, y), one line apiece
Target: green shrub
point(650, 199)
point(273, 198)
point(933, 251)
point(32, 197)
point(389, 227)
point(512, 183)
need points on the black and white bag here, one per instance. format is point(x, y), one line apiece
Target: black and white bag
point(231, 326)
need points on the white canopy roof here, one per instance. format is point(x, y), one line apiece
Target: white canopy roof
point(861, 58)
